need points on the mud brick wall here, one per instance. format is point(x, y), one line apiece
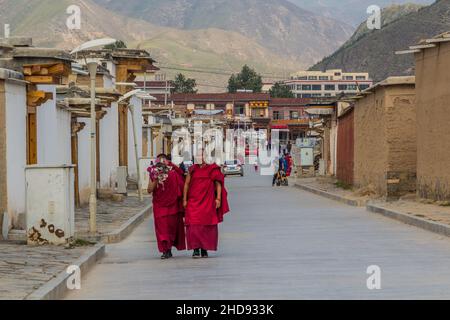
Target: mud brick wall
point(386, 141)
point(433, 122)
point(345, 148)
point(371, 152)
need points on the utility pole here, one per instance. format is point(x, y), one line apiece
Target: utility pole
point(92, 67)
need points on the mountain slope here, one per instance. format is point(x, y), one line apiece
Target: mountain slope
point(349, 11)
point(44, 20)
point(375, 51)
point(275, 24)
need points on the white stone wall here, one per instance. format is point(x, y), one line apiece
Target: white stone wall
point(16, 154)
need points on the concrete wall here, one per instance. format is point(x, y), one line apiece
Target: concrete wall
point(433, 120)
point(385, 137)
point(53, 132)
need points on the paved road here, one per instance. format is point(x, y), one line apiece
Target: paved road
point(280, 243)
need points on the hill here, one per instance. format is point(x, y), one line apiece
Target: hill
point(375, 51)
point(180, 50)
point(278, 25)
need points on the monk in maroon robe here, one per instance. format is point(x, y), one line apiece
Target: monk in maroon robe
point(166, 184)
point(205, 201)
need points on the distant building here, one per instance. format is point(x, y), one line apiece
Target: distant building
point(153, 81)
point(315, 84)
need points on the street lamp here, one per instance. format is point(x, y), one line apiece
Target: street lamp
point(144, 96)
point(92, 68)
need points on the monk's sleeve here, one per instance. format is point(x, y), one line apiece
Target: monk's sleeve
point(218, 176)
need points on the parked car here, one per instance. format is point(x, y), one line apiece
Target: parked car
point(233, 167)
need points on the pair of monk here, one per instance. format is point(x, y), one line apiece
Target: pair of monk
point(187, 209)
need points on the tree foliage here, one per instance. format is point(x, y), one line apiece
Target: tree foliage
point(280, 90)
point(247, 79)
point(181, 84)
point(119, 44)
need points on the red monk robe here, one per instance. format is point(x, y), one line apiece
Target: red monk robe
point(202, 217)
point(168, 210)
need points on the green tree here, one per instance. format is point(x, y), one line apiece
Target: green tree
point(119, 44)
point(280, 90)
point(184, 85)
point(247, 79)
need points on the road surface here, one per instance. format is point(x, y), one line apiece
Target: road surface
point(280, 243)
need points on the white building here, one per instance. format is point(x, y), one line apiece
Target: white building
point(315, 84)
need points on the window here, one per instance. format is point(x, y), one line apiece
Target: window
point(317, 87)
point(299, 87)
point(352, 87)
point(342, 87)
point(330, 87)
point(316, 95)
point(337, 74)
point(306, 95)
point(306, 87)
point(348, 78)
point(277, 115)
point(360, 78)
point(294, 115)
point(364, 86)
point(200, 107)
point(302, 78)
point(239, 110)
point(323, 78)
point(327, 95)
point(312, 78)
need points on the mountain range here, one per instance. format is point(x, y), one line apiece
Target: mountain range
point(374, 50)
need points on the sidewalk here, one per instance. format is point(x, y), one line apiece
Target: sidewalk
point(39, 272)
point(24, 269)
point(115, 220)
point(326, 187)
point(419, 213)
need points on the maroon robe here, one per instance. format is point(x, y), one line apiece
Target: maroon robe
point(202, 217)
point(168, 212)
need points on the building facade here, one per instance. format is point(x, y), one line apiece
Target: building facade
point(316, 84)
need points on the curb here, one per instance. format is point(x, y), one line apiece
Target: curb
point(57, 288)
point(350, 202)
point(428, 225)
point(124, 230)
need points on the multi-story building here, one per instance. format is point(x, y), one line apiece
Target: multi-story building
point(315, 84)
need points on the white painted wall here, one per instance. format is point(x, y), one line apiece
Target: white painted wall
point(137, 103)
point(109, 142)
point(16, 153)
point(109, 147)
point(53, 132)
point(84, 161)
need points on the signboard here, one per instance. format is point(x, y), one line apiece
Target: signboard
point(306, 157)
point(305, 142)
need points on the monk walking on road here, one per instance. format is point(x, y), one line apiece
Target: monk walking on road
point(166, 185)
point(205, 201)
